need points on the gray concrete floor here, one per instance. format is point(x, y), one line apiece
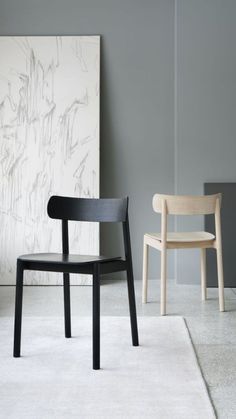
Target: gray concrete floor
point(213, 333)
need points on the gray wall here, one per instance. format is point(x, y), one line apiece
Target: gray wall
point(168, 93)
point(137, 94)
point(206, 105)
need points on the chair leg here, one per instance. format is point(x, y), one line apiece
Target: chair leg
point(163, 281)
point(67, 315)
point(203, 274)
point(145, 271)
point(132, 306)
point(96, 318)
point(220, 278)
point(18, 309)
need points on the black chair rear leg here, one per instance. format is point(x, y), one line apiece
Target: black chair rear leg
point(18, 309)
point(67, 314)
point(96, 318)
point(132, 306)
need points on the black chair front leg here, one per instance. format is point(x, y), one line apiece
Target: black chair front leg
point(132, 305)
point(67, 313)
point(96, 317)
point(18, 309)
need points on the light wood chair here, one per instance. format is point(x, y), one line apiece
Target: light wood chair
point(185, 205)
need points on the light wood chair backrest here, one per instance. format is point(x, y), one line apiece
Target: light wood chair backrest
point(186, 204)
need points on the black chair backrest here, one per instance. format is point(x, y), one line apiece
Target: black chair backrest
point(88, 209)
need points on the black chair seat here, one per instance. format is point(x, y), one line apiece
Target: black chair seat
point(61, 258)
point(69, 263)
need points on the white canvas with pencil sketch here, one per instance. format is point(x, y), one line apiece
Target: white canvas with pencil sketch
point(49, 138)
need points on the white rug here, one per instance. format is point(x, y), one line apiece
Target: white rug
point(54, 378)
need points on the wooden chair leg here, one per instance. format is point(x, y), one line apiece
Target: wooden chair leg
point(18, 309)
point(145, 271)
point(132, 305)
point(67, 313)
point(96, 318)
point(163, 281)
point(203, 274)
point(220, 278)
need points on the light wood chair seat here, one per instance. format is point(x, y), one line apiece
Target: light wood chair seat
point(185, 205)
point(192, 236)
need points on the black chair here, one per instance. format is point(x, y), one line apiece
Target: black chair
point(80, 209)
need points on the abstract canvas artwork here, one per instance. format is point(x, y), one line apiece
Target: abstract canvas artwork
point(49, 139)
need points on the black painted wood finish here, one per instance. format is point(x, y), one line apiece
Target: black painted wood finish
point(80, 209)
point(88, 209)
point(228, 228)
